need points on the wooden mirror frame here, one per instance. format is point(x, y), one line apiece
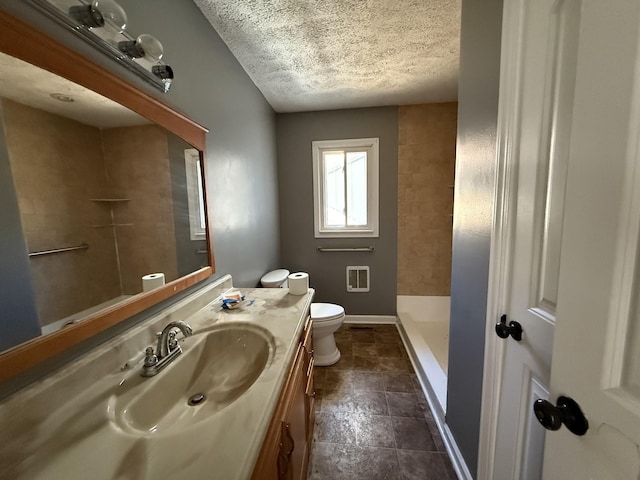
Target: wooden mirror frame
point(26, 43)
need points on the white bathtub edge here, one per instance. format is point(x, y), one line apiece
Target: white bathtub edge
point(425, 363)
point(432, 309)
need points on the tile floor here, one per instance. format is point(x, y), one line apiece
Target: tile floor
point(372, 419)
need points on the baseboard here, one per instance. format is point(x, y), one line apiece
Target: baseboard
point(378, 319)
point(459, 465)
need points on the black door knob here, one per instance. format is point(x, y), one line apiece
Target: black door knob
point(566, 411)
point(513, 328)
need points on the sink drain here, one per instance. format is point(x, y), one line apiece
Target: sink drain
point(197, 399)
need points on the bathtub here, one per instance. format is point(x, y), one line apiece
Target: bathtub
point(424, 326)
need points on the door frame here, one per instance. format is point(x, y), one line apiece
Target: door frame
point(501, 246)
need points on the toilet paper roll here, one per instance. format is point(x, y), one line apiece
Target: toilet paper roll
point(298, 283)
point(151, 281)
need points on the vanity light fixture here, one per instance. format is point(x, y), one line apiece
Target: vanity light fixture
point(102, 23)
point(145, 46)
point(164, 73)
point(100, 13)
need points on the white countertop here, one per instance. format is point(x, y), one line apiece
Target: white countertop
point(61, 427)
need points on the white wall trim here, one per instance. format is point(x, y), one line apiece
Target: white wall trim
point(459, 465)
point(501, 247)
point(377, 319)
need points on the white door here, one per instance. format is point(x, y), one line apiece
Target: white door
point(539, 44)
point(596, 354)
point(570, 121)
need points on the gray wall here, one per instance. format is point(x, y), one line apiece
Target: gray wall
point(473, 212)
point(212, 88)
point(18, 314)
point(327, 271)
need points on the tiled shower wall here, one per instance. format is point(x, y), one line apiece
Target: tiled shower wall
point(426, 166)
point(57, 166)
point(60, 167)
point(137, 165)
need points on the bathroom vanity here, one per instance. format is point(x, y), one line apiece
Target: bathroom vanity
point(236, 404)
point(286, 448)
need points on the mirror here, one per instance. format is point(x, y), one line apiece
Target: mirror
point(107, 194)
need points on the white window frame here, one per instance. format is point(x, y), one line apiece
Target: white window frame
point(195, 194)
point(371, 146)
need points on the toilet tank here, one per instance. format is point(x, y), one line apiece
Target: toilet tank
point(275, 278)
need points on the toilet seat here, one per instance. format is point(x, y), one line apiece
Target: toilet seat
point(275, 278)
point(326, 312)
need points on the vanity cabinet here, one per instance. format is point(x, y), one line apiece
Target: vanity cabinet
point(287, 444)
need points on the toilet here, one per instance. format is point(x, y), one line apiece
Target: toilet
point(326, 318)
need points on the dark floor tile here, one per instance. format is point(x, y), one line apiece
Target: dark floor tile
point(332, 427)
point(363, 336)
point(416, 382)
point(387, 338)
point(319, 374)
point(413, 434)
point(389, 349)
point(422, 400)
point(317, 400)
point(337, 380)
point(435, 434)
point(343, 334)
point(394, 364)
point(398, 382)
point(374, 431)
point(365, 349)
point(417, 465)
point(405, 405)
point(345, 363)
point(357, 403)
point(377, 464)
point(346, 348)
point(347, 462)
point(367, 381)
point(385, 328)
point(365, 363)
point(331, 461)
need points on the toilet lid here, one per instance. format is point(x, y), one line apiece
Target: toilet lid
point(325, 311)
point(275, 276)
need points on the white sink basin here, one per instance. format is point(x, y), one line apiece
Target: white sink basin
point(216, 368)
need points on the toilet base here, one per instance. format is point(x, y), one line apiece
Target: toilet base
point(325, 351)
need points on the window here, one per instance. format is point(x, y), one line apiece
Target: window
point(345, 187)
point(193, 166)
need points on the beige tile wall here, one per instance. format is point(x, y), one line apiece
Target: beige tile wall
point(57, 166)
point(137, 162)
point(426, 163)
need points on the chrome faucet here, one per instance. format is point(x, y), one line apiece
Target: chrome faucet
point(167, 349)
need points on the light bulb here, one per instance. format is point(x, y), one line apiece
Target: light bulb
point(100, 13)
point(145, 46)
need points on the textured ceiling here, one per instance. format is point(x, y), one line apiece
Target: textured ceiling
point(327, 54)
point(30, 85)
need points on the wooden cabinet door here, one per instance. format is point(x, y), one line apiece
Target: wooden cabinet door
point(287, 444)
point(293, 454)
